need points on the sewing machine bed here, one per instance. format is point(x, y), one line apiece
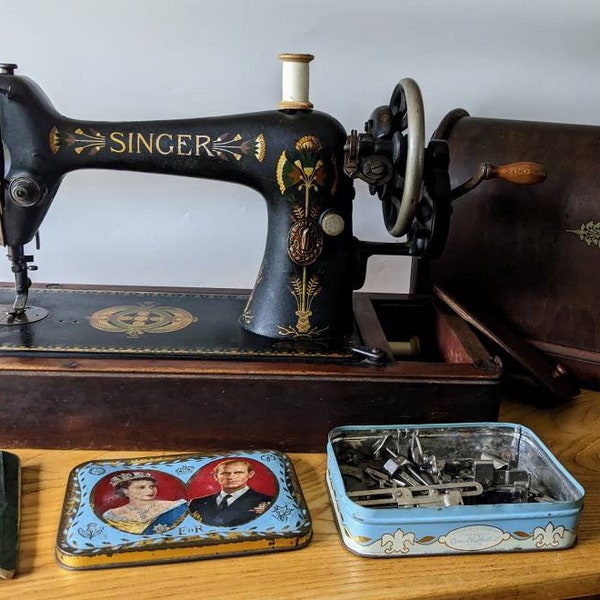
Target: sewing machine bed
point(151, 324)
point(111, 371)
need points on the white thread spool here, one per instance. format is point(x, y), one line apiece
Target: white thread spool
point(295, 81)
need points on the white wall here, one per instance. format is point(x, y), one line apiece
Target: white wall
point(152, 59)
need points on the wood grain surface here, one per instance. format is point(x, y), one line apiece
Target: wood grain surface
point(325, 569)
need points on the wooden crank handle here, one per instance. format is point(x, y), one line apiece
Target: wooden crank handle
point(520, 173)
point(523, 173)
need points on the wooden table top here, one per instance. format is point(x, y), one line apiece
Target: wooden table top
point(325, 569)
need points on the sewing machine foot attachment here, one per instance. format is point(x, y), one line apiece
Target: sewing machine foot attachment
point(30, 314)
point(19, 313)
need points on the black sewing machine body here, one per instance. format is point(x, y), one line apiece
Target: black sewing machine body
point(344, 356)
point(293, 159)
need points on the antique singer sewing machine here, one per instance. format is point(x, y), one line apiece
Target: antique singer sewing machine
point(302, 336)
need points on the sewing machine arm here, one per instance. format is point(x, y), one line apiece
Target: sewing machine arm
point(293, 158)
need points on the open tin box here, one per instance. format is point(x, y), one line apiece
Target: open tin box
point(490, 487)
point(164, 509)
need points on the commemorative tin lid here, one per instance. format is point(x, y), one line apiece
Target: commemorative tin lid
point(182, 507)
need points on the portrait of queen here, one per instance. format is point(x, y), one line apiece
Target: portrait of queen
point(137, 505)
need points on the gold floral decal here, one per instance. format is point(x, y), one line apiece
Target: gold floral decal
point(304, 292)
point(54, 140)
point(93, 141)
point(234, 146)
point(307, 171)
point(301, 175)
point(588, 233)
point(135, 321)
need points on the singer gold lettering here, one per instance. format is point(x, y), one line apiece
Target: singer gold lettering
point(165, 143)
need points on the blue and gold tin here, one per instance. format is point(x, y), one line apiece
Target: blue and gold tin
point(449, 489)
point(184, 507)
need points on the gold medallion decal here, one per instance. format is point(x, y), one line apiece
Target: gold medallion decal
point(135, 321)
point(305, 242)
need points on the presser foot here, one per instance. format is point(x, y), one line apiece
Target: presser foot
point(29, 314)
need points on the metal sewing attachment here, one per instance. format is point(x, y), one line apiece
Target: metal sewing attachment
point(405, 469)
point(444, 494)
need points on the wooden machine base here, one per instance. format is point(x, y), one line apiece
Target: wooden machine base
point(72, 399)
